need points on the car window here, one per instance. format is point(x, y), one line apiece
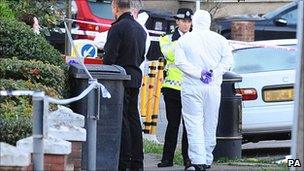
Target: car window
point(278, 11)
point(254, 60)
point(101, 9)
point(291, 16)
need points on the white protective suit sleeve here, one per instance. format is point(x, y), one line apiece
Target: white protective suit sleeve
point(183, 64)
point(100, 39)
point(202, 51)
point(142, 19)
point(226, 60)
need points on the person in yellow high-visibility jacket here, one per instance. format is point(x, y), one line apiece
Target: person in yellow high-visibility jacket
point(171, 90)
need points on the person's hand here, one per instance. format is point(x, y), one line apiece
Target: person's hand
point(206, 76)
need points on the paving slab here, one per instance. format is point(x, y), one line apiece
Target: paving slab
point(151, 161)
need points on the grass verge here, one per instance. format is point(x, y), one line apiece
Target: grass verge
point(155, 148)
point(263, 164)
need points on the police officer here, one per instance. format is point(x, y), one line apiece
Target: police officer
point(171, 89)
point(125, 46)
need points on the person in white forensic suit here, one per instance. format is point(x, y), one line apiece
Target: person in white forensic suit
point(203, 56)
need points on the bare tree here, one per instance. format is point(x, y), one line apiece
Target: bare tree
point(212, 6)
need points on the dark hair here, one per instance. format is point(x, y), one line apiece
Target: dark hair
point(27, 18)
point(122, 4)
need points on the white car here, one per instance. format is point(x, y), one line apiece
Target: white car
point(268, 71)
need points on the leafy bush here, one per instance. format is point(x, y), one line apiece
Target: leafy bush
point(36, 66)
point(17, 39)
point(9, 84)
point(5, 11)
point(15, 118)
point(35, 71)
point(16, 112)
point(15, 107)
point(48, 12)
point(15, 129)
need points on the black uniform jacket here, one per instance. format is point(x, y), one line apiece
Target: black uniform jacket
point(125, 46)
point(175, 35)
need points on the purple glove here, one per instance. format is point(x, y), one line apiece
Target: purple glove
point(206, 76)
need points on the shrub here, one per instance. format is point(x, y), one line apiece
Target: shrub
point(15, 119)
point(48, 12)
point(9, 84)
point(5, 11)
point(14, 107)
point(35, 71)
point(16, 112)
point(13, 130)
point(17, 39)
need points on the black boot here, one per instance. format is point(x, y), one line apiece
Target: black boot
point(187, 164)
point(165, 163)
point(197, 167)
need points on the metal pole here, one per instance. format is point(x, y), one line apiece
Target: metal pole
point(38, 131)
point(297, 147)
point(198, 5)
point(68, 15)
point(92, 127)
point(46, 118)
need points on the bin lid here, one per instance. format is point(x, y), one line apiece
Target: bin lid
point(232, 77)
point(108, 72)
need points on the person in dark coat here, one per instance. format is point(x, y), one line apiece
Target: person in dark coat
point(125, 46)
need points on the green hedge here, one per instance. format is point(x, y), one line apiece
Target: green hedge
point(35, 71)
point(17, 39)
point(14, 107)
point(9, 84)
point(5, 11)
point(13, 130)
point(16, 112)
point(15, 118)
point(22, 107)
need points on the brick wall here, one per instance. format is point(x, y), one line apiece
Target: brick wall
point(75, 157)
point(13, 168)
point(52, 162)
point(55, 162)
point(242, 31)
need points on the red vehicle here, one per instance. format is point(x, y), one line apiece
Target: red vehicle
point(92, 11)
point(95, 11)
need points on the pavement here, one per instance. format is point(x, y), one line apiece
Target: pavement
point(151, 161)
point(162, 123)
point(267, 144)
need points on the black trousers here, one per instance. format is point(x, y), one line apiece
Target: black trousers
point(131, 149)
point(174, 113)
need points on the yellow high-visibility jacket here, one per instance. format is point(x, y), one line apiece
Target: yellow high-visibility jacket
point(174, 76)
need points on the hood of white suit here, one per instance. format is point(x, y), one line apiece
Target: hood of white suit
point(201, 20)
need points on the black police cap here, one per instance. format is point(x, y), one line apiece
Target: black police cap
point(184, 13)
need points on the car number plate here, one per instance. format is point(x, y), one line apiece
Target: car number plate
point(278, 95)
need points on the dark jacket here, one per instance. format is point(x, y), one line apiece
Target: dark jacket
point(125, 46)
point(175, 35)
